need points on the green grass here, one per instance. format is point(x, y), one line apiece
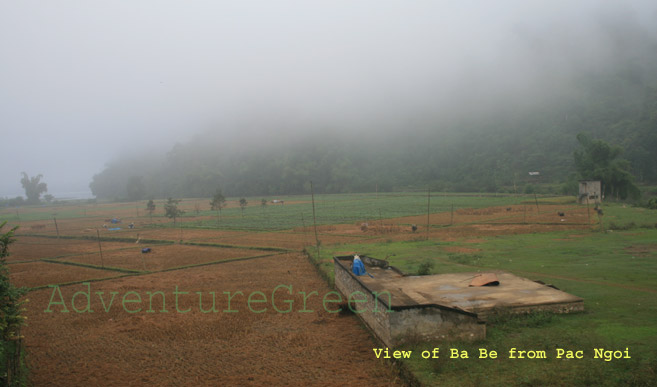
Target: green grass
point(347, 208)
point(614, 272)
point(619, 217)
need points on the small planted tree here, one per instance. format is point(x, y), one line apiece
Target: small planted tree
point(243, 204)
point(218, 202)
point(263, 205)
point(150, 208)
point(171, 209)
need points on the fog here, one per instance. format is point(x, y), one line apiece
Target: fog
point(83, 83)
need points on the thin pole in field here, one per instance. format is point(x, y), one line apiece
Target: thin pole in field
point(305, 230)
point(100, 249)
point(181, 230)
point(428, 210)
point(536, 199)
point(451, 220)
point(312, 193)
point(56, 228)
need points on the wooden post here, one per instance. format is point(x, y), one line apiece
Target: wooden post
point(181, 229)
point(428, 211)
point(100, 249)
point(56, 228)
point(536, 199)
point(451, 220)
point(312, 193)
point(305, 231)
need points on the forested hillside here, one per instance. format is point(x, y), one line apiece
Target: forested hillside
point(479, 149)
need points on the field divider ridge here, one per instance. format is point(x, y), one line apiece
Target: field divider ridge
point(90, 266)
point(217, 262)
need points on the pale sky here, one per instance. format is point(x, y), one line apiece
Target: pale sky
point(83, 82)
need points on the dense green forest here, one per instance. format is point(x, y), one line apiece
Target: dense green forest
point(477, 150)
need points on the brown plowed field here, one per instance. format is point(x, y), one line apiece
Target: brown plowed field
point(163, 257)
point(30, 248)
point(195, 348)
point(116, 347)
point(35, 274)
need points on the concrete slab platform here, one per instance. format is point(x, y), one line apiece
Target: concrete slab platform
point(513, 294)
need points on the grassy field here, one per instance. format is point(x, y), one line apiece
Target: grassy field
point(296, 212)
point(609, 261)
point(614, 271)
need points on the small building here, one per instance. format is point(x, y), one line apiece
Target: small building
point(590, 191)
point(399, 308)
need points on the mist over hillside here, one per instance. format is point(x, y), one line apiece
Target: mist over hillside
point(260, 98)
point(516, 111)
point(489, 152)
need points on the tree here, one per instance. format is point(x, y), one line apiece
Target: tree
point(218, 202)
point(49, 198)
point(11, 320)
point(263, 205)
point(243, 204)
point(597, 160)
point(150, 208)
point(135, 188)
point(171, 209)
point(33, 188)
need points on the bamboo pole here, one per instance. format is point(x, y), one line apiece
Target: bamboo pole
point(428, 211)
point(100, 249)
point(56, 227)
point(312, 193)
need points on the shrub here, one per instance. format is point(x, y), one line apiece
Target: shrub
point(425, 267)
point(11, 358)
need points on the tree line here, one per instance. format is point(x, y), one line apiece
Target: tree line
point(487, 154)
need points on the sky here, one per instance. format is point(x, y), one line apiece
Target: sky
point(85, 82)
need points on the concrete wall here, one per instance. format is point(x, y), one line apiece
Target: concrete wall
point(374, 312)
point(558, 308)
point(433, 324)
point(590, 191)
point(396, 326)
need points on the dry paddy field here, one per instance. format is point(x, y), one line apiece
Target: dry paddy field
point(143, 321)
point(122, 317)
